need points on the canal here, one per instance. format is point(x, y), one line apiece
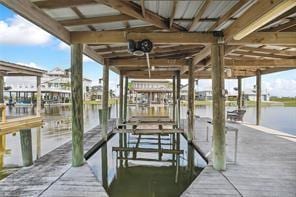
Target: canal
point(57, 127)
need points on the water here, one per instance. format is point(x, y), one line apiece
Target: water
point(126, 170)
point(57, 128)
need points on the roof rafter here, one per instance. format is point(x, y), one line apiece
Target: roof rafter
point(199, 14)
point(256, 17)
point(54, 4)
point(134, 10)
point(96, 20)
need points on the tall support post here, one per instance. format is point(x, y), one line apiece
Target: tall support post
point(190, 110)
point(239, 90)
point(38, 112)
point(217, 60)
point(258, 96)
point(1, 88)
point(174, 98)
point(105, 99)
point(178, 116)
point(125, 99)
point(77, 104)
point(26, 146)
point(121, 98)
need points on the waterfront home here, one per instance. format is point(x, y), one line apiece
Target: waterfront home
point(150, 91)
point(55, 87)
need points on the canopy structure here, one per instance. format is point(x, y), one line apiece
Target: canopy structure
point(256, 34)
point(12, 69)
point(202, 39)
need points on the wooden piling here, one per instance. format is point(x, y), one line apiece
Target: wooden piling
point(239, 90)
point(178, 113)
point(77, 104)
point(105, 99)
point(26, 146)
point(1, 88)
point(125, 99)
point(258, 96)
point(174, 98)
point(190, 105)
point(38, 113)
point(217, 60)
point(121, 98)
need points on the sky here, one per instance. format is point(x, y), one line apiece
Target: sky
point(24, 43)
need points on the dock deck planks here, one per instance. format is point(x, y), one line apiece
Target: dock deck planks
point(266, 166)
point(51, 170)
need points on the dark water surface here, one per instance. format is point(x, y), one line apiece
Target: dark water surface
point(147, 165)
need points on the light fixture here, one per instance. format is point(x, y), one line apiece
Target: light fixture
point(267, 17)
point(228, 72)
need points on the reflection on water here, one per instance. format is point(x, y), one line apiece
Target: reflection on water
point(55, 132)
point(146, 165)
point(57, 126)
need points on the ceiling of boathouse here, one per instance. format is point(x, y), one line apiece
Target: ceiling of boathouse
point(271, 47)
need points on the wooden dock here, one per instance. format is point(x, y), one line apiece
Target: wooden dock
point(266, 165)
point(51, 175)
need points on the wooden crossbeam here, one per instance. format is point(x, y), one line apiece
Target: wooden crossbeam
point(273, 51)
point(121, 37)
point(172, 15)
point(54, 4)
point(135, 10)
point(228, 15)
point(283, 63)
point(259, 14)
point(267, 38)
point(263, 55)
point(96, 20)
point(153, 62)
point(199, 14)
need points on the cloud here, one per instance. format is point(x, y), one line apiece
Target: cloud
point(87, 59)
point(19, 31)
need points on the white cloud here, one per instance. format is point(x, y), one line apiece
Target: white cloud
point(19, 31)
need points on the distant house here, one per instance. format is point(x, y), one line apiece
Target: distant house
point(203, 95)
point(55, 87)
point(249, 95)
point(96, 92)
point(150, 91)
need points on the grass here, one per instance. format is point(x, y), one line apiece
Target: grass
point(287, 101)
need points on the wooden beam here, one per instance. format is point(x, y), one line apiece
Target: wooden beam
point(143, 8)
point(199, 14)
point(125, 98)
point(267, 38)
point(285, 63)
point(172, 15)
point(191, 99)
point(218, 145)
point(263, 55)
point(134, 10)
point(26, 147)
point(105, 100)
point(228, 15)
point(272, 51)
point(202, 55)
point(282, 27)
point(54, 4)
point(96, 20)
point(120, 98)
point(258, 15)
point(258, 96)
point(121, 37)
point(77, 105)
point(143, 62)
